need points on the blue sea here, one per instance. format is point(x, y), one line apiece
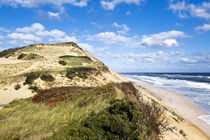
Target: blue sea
point(194, 86)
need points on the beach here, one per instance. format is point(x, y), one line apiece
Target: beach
point(195, 128)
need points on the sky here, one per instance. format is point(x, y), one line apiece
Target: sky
point(127, 35)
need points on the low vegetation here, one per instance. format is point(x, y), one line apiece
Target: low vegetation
point(47, 78)
point(30, 56)
point(74, 60)
point(17, 87)
point(8, 53)
point(81, 72)
point(105, 112)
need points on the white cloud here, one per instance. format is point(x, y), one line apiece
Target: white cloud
point(86, 47)
point(163, 39)
point(124, 28)
point(204, 28)
point(149, 57)
point(64, 39)
point(36, 3)
point(52, 15)
point(33, 28)
point(110, 5)
point(189, 60)
point(52, 33)
point(37, 33)
point(3, 29)
point(189, 9)
point(23, 36)
point(110, 38)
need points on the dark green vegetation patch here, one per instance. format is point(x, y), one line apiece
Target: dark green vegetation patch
point(65, 94)
point(30, 77)
point(47, 78)
point(8, 53)
point(123, 120)
point(21, 56)
point(74, 60)
point(81, 72)
point(30, 56)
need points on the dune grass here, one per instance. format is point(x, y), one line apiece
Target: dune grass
point(9, 70)
point(26, 117)
point(75, 60)
point(22, 118)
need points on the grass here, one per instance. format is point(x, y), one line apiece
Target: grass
point(24, 118)
point(72, 112)
point(74, 60)
point(121, 120)
point(81, 72)
point(9, 52)
point(30, 56)
point(9, 70)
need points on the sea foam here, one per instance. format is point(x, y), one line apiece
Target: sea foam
point(205, 118)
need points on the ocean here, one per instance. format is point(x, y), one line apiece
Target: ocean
point(194, 86)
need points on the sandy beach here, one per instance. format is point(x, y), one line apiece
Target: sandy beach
point(195, 128)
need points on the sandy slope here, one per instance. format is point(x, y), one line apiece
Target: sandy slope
point(194, 128)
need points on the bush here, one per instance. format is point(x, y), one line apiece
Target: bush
point(122, 120)
point(7, 53)
point(33, 88)
point(32, 56)
point(31, 77)
point(65, 94)
point(18, 86)
point(81, 72)
point(47, 78)
point(62, 62)
point(21, 56)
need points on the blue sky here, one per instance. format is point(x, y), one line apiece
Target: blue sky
point(127, 35)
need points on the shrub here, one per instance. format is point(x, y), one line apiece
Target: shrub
point(21, 56)
point(62, 62)
point(18, 86)
point(31, 77)
point(122, 120)
point(47, 78)
point(64, 94)
point(81, 72)
point(32, 56)
point(33, 88)
point(7, 53)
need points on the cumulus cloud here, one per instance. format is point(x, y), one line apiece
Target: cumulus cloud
point(37, 33)
point(184, 9)
point(203, 28)
point(110, 5)
point(148, 57)
point(123, 28)
point(110, 38)
point(34, 27)
point(3, 29)
point(36, 3)
point(163, 39)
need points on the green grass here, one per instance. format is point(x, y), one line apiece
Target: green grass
point(81, 113)
point(121, 121)
point(81, 72)
point(24, 118)
point(9, 70)
point(75, 60)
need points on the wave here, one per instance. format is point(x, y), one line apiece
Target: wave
point(205, 118)
point(175, 83)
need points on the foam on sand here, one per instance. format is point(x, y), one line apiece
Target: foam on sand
point(205, 118)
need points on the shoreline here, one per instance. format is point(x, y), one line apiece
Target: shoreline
point(177, 103)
